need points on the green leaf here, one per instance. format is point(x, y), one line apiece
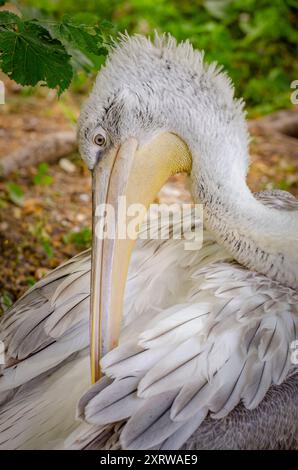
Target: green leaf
point(48, 249)
point(107, 25)
point(2, 2)
point(42, 176)
point(30, 281)
point(28, 54)
point(5, 300)
point(43, 168)
point(8, 20)
point(15, 193)
point(79, 35)
point(44, 180)
point(81, 239)
point(284, 185)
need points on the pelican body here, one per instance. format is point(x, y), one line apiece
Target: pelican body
point(143, 344)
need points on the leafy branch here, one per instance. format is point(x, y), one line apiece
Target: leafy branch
point(42, 51)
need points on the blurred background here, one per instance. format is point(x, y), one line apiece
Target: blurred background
point(45, 188)
point(255, 40)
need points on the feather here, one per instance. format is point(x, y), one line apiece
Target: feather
point(178, 438)
point(214, 335)
point(49, 357)
point(151, 424)
point(91, 393)
point(116, 401)
point(172, 370)
point(256, 389)
point(39, 412)
point(91, 437)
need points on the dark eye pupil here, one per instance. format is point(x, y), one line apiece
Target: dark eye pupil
point(99, 139)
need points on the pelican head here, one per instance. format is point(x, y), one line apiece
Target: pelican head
point(154, 107)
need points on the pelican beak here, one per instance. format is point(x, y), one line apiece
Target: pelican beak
point(127, 175)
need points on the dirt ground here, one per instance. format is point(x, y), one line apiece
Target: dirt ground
point(50, 221)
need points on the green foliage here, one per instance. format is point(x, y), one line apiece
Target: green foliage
point(15, 193)
point(30, 281)
point(42, 177)
point(85, 37)
point(47, 247)
point(5, 301)
point(30, 55)
point(39, 232)
point(45, 51)
point(255, 40)
point(81, 239)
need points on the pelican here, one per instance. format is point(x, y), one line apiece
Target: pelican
point(189, 349)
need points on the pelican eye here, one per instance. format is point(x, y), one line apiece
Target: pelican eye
point(100, 140)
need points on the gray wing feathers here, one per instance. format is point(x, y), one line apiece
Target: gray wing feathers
point(32, 323)
point(116, 402)
point(227, 343)
point(232, 345)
